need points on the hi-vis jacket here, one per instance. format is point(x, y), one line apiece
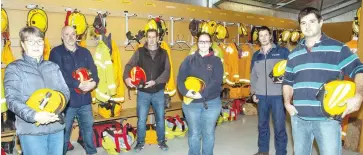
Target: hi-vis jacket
point(46, 51)
point(106, 86)
point(170, 87)
point(6, 58)
point(117, 72)
point(232, 71)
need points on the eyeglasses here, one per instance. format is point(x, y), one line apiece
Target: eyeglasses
point(32, 42)
point(203, 42)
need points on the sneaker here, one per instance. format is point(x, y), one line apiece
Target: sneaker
point(163, 146)
point(139, 146)
point(261, 153)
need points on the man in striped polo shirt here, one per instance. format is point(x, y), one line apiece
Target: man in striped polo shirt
point(316, 60)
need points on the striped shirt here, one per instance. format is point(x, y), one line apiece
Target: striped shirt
point(307, 70)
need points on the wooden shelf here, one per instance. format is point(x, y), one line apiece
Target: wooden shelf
point(125, 113)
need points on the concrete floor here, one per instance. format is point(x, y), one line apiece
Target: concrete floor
point(232, 138)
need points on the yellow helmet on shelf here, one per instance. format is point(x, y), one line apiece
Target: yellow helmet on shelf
point(213, 26)
point(242, 30)
point(38, 18)
point(255, 35)
point(355, 27)
point(206, 28)
point(358, 14)
point(221, 32)
point(4, 21)
point(285, 36)
point(78, 21)
point(295, 36)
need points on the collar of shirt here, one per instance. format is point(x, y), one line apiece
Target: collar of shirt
point(322, 38)
point(268, 51)
point(32, 60)
point(209, 54)
point(70, 50)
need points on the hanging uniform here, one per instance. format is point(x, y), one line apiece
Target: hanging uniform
point(353, 44)
point(233, 71)
point(117, 72)
point(106, 87)
point(245, 67)
point(232, 54)
point(6, 58)
point(170, 87)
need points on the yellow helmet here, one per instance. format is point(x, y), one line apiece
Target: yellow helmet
point(301, 35)
point(206, 28)
point(255, 35)
point(38, 18)
point(4, 21)
point(194, 84)
point(334, 93)
point(47, 100)
point(295, 36)
point(151, 24)
point(221, 32)
point(358, 14)
point(355, 27)
point(242, 30)
point(285, 36)
point(78, 21)
point(213, 26)
point(109, 109)
point(278, 71)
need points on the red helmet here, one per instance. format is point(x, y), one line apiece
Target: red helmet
point(81, 74)
point(138, 76)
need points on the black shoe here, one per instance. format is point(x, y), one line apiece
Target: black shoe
point(261, 153)
point(163, 146)
point(139, 146)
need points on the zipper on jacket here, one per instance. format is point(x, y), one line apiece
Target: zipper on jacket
point(41, 75)
point(265, 72)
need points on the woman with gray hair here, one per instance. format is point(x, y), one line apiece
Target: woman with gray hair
point(22, 78)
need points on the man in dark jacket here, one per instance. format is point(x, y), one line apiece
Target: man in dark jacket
point(155, 62)
point(268, 94)
point(69, 56)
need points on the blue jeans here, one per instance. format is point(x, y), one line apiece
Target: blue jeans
point(276, 106)
point(50, 144)
point(327, 134)
point(85, 122)
point(202, 123)
point(143, 105)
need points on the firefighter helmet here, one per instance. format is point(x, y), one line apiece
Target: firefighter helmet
point(332, 94)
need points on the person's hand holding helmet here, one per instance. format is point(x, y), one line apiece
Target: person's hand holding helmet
point(193, 94)
point(129, 83)
point(45, 117)
point(87, 85)
point(254, 98)
point(90, 84)
point(150, 84)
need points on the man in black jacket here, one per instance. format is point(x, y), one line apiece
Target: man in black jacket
point(69, 57)
point(155, 62)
